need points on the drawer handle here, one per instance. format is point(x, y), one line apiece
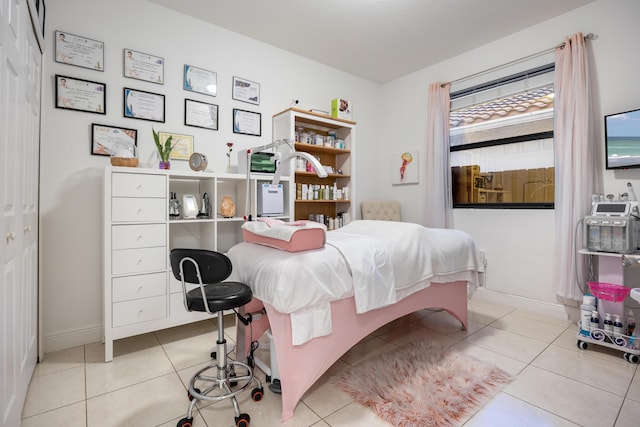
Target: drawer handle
point(139, 237)
point(140, 288)
point(11, 236)
point(140, 313)
point(140, 211)
point(139, 186)
point(139, 262)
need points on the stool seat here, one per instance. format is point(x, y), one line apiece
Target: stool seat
point(219, 296)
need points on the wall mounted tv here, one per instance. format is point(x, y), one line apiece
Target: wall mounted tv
point(622, 139)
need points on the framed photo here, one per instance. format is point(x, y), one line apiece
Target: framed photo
point(80, 95)
point(143, 105)
point(404, 168)
point(200, 81)
point(183, 148)
point(79, 51)
point(142, 66)
point(104, 137)
point(246, 91)
point(200, 114)
point(247, 122)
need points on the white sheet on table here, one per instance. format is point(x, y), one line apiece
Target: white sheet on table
point(304, 283)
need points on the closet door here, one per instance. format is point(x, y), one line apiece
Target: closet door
point(20, 77)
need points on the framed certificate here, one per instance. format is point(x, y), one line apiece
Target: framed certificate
point(182, 145)
point(199, 80)
point(80, 95)
point(200, 114)
point(143, 66)
point(143, 105)
point(246, 91)
point(104, 137)
point(247, 122)
point(79, 51)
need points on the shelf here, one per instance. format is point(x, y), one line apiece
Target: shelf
point(323, 201)
point(314, 175)
point(314, 115)
point(311, 148)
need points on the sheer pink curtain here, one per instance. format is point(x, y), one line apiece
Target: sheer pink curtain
point(438, 181)
point(575, 164)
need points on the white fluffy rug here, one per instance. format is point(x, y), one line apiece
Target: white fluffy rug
point(422, 384)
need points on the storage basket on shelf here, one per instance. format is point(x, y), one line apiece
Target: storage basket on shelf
point(608, 291)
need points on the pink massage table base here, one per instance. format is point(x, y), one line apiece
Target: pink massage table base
point(301, 366)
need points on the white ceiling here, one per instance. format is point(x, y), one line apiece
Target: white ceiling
point(378, 40)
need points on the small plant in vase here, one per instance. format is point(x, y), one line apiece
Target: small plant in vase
point(164, 151)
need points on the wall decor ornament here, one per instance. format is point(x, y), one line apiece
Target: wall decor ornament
point(404, 167)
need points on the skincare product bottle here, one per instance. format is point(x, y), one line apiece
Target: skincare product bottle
point(618, 327)
point(588, 305)
point(595, 321)
point(608, 327)
point(631, 323)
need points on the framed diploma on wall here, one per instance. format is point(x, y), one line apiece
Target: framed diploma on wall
point(247, 122)
point(200, 81)
point(80, 95)
point(79, 51)
point(143, 105)
point(200, 114)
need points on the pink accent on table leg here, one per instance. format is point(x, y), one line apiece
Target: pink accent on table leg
point(300, 366)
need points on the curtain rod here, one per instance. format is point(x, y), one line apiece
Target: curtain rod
point(516, 61)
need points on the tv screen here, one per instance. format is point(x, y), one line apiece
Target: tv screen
point(622, 139)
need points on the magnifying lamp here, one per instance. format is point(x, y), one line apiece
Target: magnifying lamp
point(320, 171)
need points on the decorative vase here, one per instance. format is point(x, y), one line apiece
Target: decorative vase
point(165, 165)
point(229, 164)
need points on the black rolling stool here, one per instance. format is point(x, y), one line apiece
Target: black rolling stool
point(208, 269)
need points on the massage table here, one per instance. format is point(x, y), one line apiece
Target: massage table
point(320, 303)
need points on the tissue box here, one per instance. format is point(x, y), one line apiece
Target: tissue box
point(341, 109)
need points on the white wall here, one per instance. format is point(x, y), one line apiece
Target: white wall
point(71, 178)
point(519, 243)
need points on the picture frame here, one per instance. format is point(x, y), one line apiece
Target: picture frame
point(142, 66)
point(245, 90)
point(405, 167)
point(80, 95)
point(200, 81)
point(200, 114)
point(183, 148)
point(104, 137)
point(142, 105)
point(247, 122)
point(79, 51)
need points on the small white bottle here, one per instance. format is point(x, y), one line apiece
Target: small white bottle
point(588, 305)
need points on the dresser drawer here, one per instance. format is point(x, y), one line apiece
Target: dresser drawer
point(140, 286)
point(138, 185)
point(138, 236)
point(131, 261)
point(129, 210)
point(139, 310)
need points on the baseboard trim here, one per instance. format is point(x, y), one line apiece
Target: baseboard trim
point(554, 310)
point(72, 338)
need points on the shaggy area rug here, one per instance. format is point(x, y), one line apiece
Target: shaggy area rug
point(422, 384)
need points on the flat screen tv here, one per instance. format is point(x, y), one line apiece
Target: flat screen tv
point(622, 139)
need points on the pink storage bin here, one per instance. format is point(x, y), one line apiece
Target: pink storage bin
point(608, 291)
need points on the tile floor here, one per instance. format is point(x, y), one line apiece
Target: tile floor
point(556, 384)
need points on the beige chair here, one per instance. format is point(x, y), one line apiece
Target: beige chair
point(385, 210)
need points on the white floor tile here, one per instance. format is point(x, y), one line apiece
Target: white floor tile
point(355, 415)
point(507, 343)
point(530, 328)
point(629, 415)
point(74, 415)
point(575, 401)
point(56, 390)
point(60, 360)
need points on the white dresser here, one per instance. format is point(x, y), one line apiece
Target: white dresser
point(140, 293)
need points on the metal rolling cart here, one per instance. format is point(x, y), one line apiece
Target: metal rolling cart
point(630, 345)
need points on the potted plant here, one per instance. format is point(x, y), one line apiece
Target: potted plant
point(164, 151)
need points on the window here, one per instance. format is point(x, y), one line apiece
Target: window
point(501, 142)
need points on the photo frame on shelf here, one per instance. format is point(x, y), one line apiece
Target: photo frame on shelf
point(142, 66)
point(79, 51)
point(245, 90)
point(104, 137)
point(199, 80)
point(81, 95)
point(183, 145)
point(247, 122)
point(143, 105)
point(404, 168)
point(200, 114)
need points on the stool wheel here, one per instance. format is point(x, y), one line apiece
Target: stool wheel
point(185, 422)
point(243, 420)
point(257, 394)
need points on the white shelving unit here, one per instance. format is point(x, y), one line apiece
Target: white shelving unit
point(140, 292)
